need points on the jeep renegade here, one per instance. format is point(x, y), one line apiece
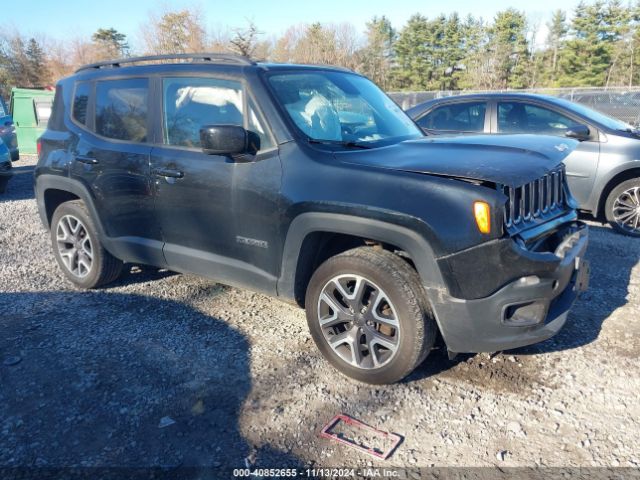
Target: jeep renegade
point(309, 184)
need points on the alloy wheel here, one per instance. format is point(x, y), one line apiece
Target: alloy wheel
point(626, 210)
point(358, 321)
point(74, 246)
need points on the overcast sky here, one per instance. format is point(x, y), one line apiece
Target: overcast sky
point(71, 18)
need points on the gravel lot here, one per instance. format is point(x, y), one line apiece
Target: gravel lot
point(239, 375)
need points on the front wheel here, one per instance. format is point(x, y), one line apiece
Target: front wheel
point(368, 315)
point(622, 208)
point(78, 250)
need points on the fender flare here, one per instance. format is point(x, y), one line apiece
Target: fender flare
point(46, 182)
point(410, 241)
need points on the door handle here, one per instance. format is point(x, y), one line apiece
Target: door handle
point(168, 172)
point(86, 160)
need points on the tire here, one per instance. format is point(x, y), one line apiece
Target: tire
point(396, 314)
point(78, 250)
point(620, 205)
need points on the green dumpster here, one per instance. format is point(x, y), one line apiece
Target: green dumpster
point(31, 110)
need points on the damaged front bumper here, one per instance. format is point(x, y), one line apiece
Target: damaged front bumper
point(529, 291)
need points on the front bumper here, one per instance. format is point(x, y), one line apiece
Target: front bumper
point(527, 310)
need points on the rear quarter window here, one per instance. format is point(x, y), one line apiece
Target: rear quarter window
point(56, 120)
point(121, 109)
point(81, 102)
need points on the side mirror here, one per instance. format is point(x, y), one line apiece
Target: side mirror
point(224, 140)
point(579, 132)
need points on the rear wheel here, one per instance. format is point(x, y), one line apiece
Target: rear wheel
point(368, 315)
point(78, 250)
point(622, 208)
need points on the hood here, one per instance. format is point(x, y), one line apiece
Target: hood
point(510, 160)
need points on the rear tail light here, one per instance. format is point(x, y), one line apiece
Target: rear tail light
point(39, 145)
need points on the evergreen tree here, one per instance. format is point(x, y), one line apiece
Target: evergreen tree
point(473, 71)
point(36, 73)
point(508, 43)
point(557, 33)
point(587, 55)
point(378, 55)
point(413, 70)
point(453, 43)
point(110, 43)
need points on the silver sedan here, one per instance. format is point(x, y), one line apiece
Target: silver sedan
point(603, 172)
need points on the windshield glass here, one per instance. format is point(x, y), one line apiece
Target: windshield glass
point(601, 118)
point(341, 107)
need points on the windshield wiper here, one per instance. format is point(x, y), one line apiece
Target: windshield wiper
point(348, 144)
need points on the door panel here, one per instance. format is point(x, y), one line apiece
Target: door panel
point(582, 165)
point(218, 217)
point(116, 169)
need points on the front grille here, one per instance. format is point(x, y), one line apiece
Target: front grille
point(535, 200)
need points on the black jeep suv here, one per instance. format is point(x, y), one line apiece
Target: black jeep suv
point(308, 183)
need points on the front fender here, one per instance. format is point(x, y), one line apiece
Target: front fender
point(407, 239)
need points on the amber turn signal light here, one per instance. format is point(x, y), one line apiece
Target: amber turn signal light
point(482, 212)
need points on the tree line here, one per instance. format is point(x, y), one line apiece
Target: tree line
point(596, 45)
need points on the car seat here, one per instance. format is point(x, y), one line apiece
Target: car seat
point(516, 119)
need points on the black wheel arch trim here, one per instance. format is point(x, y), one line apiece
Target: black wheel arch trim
point(131, 249)
point(46, 182)
point(409, 240)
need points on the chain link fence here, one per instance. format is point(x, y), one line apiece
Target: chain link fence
point(622, 103)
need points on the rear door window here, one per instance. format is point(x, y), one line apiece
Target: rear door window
point(517, 117)
point(456, 117)
point(121, 109)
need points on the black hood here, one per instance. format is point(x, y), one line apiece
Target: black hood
point(511, 160)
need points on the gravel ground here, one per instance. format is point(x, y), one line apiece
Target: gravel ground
point(163, 369)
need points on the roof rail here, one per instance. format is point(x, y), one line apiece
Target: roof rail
point(194, 57)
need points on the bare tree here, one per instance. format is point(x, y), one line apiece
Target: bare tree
point(245, 40)
point(283, 47)
point(218, 41)
point(23, 61)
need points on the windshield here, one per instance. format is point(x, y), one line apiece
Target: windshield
point(336, 107)
point(601, 118)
